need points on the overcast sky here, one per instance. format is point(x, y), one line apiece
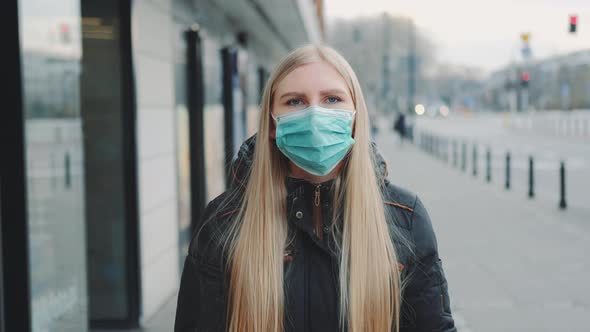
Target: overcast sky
point(483, 33)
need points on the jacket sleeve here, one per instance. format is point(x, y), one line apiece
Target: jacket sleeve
point(425, 297)
point(187, 307)
point(189, 294)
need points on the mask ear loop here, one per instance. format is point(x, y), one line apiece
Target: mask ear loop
point(273, 125)
point(353, 124)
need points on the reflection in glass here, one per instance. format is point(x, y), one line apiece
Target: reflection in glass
point(50, 55)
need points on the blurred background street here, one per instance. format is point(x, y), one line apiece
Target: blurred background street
point(124, 116)
point(513, 264)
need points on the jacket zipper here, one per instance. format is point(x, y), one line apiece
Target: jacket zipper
point(318, 226)
point(317, 195)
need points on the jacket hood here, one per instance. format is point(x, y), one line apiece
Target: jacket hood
point(240, 166)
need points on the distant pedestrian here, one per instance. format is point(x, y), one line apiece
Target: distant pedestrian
point(400, 126)
point(374, 128)
point(311, 235)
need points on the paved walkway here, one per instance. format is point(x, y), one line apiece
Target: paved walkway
point(512, 264)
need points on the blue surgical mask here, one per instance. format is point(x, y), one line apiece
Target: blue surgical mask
point(316, 139)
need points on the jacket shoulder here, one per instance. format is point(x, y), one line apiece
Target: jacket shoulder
point(399, 197)
point(409, 212)
point(208, 236)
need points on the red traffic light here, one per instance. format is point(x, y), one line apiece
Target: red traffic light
point(573, 23)
point(526, 76)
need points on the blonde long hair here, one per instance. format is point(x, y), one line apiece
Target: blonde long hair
point(369, 278)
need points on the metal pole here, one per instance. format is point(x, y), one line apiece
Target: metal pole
point(508, 170)
point(474, 159)
point(422, 141)
point(446, 153)
point(411, 66)
point(488, 165)
point(531, 178)
point(435, 146)
point(464, 157)
point(455, 161)
point(432, 144)
point(67, 167)
point(562, 203)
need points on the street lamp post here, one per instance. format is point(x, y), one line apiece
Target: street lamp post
point(411, 65)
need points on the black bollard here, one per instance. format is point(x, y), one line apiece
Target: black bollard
point(488, 165)
point(562, 203)
point(422, 141)
point(455, 162)
point(531, 178)
point(67, 177)
point(464, 157)
point(446, 155)
point(436, 147)
point(434, 141)
point(507, 170)
point(474, 159)
point(432, 145)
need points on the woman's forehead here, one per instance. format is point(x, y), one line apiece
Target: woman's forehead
point(312, 78)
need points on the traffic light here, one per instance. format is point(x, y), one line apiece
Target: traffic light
point(524, 79)
point(573, 23)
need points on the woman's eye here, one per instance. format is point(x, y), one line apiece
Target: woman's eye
point(333, 100)
point(294, 102)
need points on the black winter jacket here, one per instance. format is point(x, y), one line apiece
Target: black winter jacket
point(311, 264)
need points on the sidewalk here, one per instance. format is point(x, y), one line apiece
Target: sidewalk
point(512, 264)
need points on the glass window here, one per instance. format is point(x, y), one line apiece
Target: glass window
point(103, 108)
point(50, 56)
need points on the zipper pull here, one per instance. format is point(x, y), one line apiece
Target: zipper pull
point(317, 195)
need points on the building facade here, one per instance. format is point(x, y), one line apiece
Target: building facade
point(122, 120)
point(560, 82)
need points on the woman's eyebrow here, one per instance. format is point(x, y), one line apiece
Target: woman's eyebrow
point(294, 94)
point(322, 92)
point(333, 91)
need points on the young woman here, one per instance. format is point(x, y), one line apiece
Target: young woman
point(311, 236)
